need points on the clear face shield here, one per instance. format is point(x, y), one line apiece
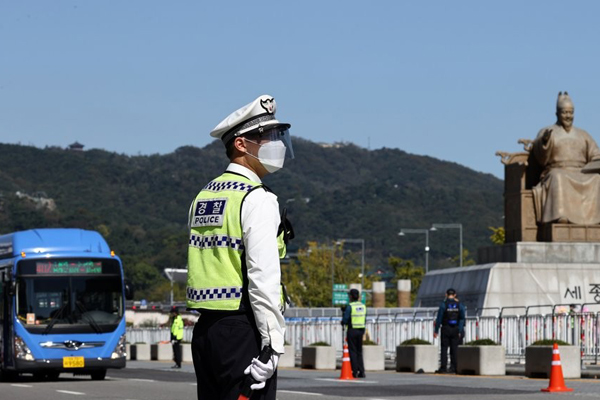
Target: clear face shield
point(281, 133)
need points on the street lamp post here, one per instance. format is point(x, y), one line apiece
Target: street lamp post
point(435, 227)
point(362, 259)
point(332, 268)
point(403, 232)
point(175, 275)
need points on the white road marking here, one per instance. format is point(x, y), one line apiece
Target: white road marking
point(142, 380)
point(345, 380)
point(20, 385)
point(69, 392)
point(294, 392)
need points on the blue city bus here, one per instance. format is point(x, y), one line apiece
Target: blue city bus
point(62, 304)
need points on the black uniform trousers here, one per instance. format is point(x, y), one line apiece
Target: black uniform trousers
point(223, 346)
point(355, 345)
point(176, 351)
point(450, 338)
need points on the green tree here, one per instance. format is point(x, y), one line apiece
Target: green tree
point(467, 260)
point(498, 235)
point(144, 277)
point(309, 278)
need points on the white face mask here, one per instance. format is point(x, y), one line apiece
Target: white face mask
point(271, 155)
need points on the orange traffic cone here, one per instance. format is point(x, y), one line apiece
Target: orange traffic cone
point(346, 366)
point(557, 381)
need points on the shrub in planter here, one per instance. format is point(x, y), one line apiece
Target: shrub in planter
point(549, 342)
point(481, 357)
point(482, 342)
point(319, 355)
point(416, 355)
point(538, 359)
point(414, 341)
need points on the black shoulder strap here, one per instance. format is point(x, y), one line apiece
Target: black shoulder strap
point(285, 227)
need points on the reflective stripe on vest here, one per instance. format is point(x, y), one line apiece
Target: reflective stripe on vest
point(215, 277)
point(359, 314)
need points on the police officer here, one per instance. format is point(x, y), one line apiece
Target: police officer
point(354, 317)
point(451, 318)
point(233, 259)
point(176, 336)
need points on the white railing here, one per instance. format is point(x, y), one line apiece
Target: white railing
point(514, 332)
point(155, 335)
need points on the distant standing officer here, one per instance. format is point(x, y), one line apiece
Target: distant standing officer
point(235, 244)
point(176, 336)
point(451, 317)
point(355, 316)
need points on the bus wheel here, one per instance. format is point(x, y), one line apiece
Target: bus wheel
point(52, 376)
point(98, 375)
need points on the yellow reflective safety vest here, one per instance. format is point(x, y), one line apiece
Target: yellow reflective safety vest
point(177, 328)
point(359, 314)
point(216, 265)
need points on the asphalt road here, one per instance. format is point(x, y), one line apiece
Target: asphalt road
point(156, 381)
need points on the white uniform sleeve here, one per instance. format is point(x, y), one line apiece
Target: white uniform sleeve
point(260, 220)
point(191, 214)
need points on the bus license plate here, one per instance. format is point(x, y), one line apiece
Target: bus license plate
point(73, 362)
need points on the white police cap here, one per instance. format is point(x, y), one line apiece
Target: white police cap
point(258, 114)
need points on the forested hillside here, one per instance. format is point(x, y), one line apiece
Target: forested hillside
point(140, 203)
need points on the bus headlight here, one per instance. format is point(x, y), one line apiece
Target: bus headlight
point(120, 349)
point(21, 350)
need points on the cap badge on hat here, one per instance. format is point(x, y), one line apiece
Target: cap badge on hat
point(268, 105)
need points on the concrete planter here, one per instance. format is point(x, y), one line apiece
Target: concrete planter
point(538, 361)
point(374, 358)
point(186, 351)
point(417, 357)
point(318, 357)
point(161, 352)
point(481, 360)
point(140, 352)
point(288, 359)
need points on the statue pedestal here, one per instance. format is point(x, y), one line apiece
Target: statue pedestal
point(570, 233)
point(541, 252)
point(520, 274)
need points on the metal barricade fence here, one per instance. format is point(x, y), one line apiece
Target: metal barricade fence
point(155, 335)
point(514, 332)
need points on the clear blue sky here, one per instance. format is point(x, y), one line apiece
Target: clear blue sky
point(456, 80)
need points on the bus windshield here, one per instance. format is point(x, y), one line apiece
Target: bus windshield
point(69, 295)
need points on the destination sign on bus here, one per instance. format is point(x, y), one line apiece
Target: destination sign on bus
point(63, 267)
